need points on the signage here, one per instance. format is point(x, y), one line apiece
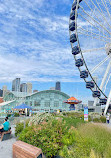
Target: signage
point(86, 113)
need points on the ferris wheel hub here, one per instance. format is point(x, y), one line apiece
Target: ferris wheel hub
point(108, 48)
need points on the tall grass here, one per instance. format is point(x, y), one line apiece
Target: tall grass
point(90, 139)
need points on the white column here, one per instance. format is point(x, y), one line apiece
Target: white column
point(105, 75)
point(107, 104)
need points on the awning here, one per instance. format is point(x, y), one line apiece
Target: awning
point(22, 106)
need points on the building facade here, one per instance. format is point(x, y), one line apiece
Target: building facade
point(29, 87)
point(4, 88)
point(16, 85)
point(1, 93)
point(43, 101)
point(23, 87)
point(58, 86)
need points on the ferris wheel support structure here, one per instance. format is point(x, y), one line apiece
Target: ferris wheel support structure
point(103, 81)
point(108, 103)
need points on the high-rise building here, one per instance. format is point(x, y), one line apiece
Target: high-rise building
point(23, 87)
point(29, 87)
point(16, 85)
point(1, 93)
point(4, 88)
point(58, 86)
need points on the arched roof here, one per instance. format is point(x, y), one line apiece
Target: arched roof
point(44, 91)
point(8, 93)
point(51, 91)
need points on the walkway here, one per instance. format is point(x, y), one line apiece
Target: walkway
point(6, 146)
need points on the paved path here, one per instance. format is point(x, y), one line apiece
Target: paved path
point(6, 146)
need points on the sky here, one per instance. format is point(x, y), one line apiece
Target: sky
point(35, 46)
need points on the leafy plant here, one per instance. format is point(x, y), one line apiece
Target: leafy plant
point(47, 136)
point(89, 118)
point(39, 118)
point(96, 120)
point(16, 114)
point(103, 119)
point(8, 115)
point(19, 128)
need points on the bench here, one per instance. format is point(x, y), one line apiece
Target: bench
point(24, 150)
point(5, 135)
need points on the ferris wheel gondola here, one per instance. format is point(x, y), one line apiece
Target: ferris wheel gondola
point(90, 26)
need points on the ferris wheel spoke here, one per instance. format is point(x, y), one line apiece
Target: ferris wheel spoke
point(105, 5)
point(93, 33)
point(90, 23)
point(92, 37)
point(105, 75)
point(100, 13)
point(94, 20)
point(92, 50)
point(92, 11)
point(109, 2)
point(107, 83)
point(98, 65)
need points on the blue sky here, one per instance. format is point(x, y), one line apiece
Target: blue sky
point(34, 45)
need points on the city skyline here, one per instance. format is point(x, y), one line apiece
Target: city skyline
point(68, 88)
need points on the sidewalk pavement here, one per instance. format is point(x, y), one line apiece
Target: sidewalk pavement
point(6, 146)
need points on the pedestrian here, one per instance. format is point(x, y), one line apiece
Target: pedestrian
point(108, 118)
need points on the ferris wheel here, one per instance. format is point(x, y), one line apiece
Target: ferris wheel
point(90, 38)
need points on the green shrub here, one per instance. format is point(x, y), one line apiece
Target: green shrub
point(19, 128)
point(27, 122)
point(89, 118)
point(8, 115)
point(96, 120)
point(74, 114)
point(103, 119)
point(47, 136)
point(16, 114)
point(39, 118)
point(72, 121)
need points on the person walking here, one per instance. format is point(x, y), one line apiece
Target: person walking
point(108, 118)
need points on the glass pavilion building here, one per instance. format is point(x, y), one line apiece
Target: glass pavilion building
point(43, 101)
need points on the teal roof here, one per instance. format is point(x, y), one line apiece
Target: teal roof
point(24, 94)
point(51, 91)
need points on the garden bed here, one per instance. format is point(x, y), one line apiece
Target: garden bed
point(66, 135)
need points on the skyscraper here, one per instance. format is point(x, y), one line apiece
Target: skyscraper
point(16, 85)
point(23, 87)
point(29, 87)
point(4, 88)
point(1, 93)
point(58, 86)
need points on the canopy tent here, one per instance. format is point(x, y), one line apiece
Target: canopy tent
point(72, 100)
point(22, 106)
